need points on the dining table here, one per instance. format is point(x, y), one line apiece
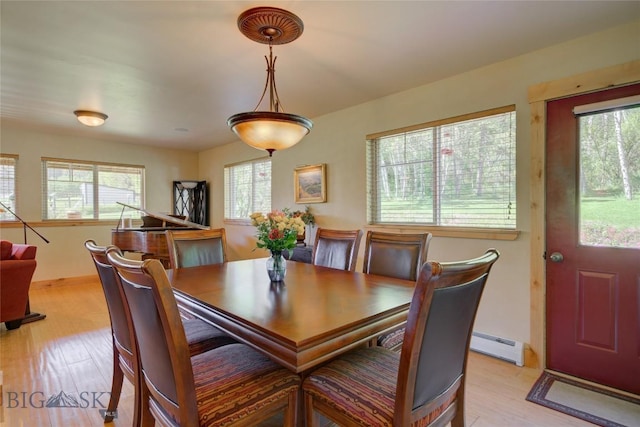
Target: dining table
point(314, 315)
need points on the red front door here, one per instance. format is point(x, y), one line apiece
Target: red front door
point(593, 241)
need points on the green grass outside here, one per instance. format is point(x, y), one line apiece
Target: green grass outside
point(610, 221)
point(613, 211)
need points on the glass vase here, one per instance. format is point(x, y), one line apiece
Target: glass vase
point(276, 266)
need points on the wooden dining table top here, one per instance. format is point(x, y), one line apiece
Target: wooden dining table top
point(314, 315)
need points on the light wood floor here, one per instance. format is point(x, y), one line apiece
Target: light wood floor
point(70, 352)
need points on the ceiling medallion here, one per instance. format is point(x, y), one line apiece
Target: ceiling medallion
point(273, 129)
point(270, 25)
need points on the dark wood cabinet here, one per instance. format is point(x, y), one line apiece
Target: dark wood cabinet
point(190, 201)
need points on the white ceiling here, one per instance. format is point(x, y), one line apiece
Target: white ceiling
point(170, 73)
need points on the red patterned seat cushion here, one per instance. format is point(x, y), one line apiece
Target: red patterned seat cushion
point(361, 385)
point(233, 382)
point(392, 340)
point(202, 337)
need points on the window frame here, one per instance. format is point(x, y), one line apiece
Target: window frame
point(8, 217)
point(95, 185)
point(439, 229)
point(229, 198)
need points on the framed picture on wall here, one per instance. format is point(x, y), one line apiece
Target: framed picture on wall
point(309, 184)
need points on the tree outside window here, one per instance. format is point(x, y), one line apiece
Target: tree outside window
point(456, 172)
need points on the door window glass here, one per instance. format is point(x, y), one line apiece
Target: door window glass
point(609, 192)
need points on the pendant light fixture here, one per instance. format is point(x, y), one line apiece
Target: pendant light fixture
point(274, 129)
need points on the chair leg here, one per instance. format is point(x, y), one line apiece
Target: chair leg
point(312, 418)
point(116, 388)
point(458, 418)
point(291, 412)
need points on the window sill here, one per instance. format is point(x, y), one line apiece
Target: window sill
point(459, 232)
point(237, 221)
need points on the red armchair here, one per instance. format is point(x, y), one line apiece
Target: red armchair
point(17, 265)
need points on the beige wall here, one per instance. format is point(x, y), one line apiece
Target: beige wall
point(337, 139)
point(65, 255)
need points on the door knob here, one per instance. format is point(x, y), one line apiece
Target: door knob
point(556, 257)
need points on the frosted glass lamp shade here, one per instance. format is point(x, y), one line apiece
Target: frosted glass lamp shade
point(90, 118)
point(269, 131)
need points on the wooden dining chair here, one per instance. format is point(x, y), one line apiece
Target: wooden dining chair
point(336, 248)
point(424, 384)
point(231, 385)
point(200, 335)
point(395, 255)
point(190, 248)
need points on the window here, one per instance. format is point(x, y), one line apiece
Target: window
point(89, 190)
point(247, 189)
point(609, 158)
point(8, 186)
point(457, 172)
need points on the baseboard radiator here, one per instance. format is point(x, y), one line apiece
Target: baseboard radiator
point(502, 348)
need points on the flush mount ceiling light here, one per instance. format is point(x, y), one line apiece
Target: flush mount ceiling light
point(90, 118)
point(274, 129)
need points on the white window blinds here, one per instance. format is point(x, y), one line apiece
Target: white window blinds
point(89, 190)
point(8, 185)
point(457, 172)
point(247, 189)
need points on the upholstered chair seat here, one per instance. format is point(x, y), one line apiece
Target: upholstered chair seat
point(202, 336)
point(234, 383)
point(361, 387)
point(391, 340)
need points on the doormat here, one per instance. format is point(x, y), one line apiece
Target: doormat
point(596, 405)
